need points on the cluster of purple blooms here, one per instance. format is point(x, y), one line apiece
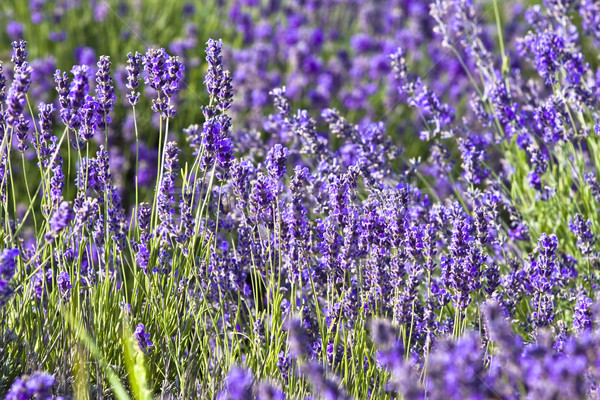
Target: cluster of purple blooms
point(301, 231)
point(37, 386)
point(315, 76)
point(8, 264)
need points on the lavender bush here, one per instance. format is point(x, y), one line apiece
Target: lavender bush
point(337, 200)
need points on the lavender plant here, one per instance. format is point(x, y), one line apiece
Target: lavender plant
point(391, 200)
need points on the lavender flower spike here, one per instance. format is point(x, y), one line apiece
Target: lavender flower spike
point(19, 55)
point(105, 92)
point(8, 265)
point(16, 98)
point(143, 338)
point(134, 70)
point(61, 218)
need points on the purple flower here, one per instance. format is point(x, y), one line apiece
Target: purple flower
point(262, 197)
point(45, 142)
point(72, 95)
point(474, 158)
point(456, 369)
point(98, 173)
point(398, 63)
point(328, 388)
point(85, 55)
point(15, 30)
point(105, 92)
point(461, 268)
point(18, 391)
point(143, 338)
point(61, 218)
point(214, 75)
point(38, 385)
point(539, 166)
point(57, 182)
point(276, 159)
point(85, 212)
point(582, 317)
point(79, 86)
point(543, 306)
point(21, 131)
point(543, 271)
point(267, 391)
point(155, 62)
point(134, 70)
point(57, 36)
point(550, 51)
point(507, 110)
point(188, 9)
point(590, 19)
point(238, 385)
point(175, 70)
point(90, 119)
point(64, 284)
point(145, 214)
point(16, 98)
point(582, 230)
point(164, 75)
point(166, 193)
point(101, 11)
point(225, 94)
point(143, 256)
point(390, 355)
point(241, 175)
point(147, 164)
point(19, 53)
point(2, 90)
point(283, 364)
point(8, 263)
point(594, 186)
point(499, 330)
point(187, 220)
point(116, 218)
point(280, 101)
point(297, 339)
point(36, 8)
point(544, 275)
point(194, 137)
point(438, 115)
point(217, 144)
point(62, 88)
point(548, 120)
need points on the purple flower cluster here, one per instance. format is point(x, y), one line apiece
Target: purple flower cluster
point(462, 268)
point(36, 386)
point(134, 70)
point(16, 98)
point(582, 230)
point(64, 284)
point(60, 220)
point(164, 75)
point(104, 89)
point(45, 142)
point(8, 263)
point(166, 194)
point(278, 241)
point(142, 247)
point(143, 338)
point(72, 94)
point(457, 368)
point(214, 139)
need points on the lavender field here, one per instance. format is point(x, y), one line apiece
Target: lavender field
point(307, 199)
